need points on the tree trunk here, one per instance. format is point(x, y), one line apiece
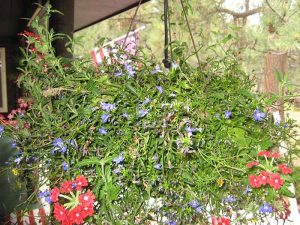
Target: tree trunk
point(275, 62)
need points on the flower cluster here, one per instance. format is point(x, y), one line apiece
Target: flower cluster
point(270, 173)
point(77, 205)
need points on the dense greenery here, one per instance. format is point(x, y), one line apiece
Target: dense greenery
point(178, 137)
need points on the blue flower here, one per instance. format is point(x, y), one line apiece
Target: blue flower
point(118, 74)
point(199, 209)
point(258, 115)
point(119, 159)
point(125, 115)
point(65, 166)
point(171, 222)
point(1, 130)
point(160, 89)
point(13, 144)
point(156, 70)
point(130, 70)
point(174, 65)
point(47, 195)
point(146, 101)
point(248, 190)
point(227, 114)
point(190, 130)
point(105, 118)
point(194, 204)
point(143, 112)
point(18, 160)
point(108, 107)
point(230, 199)
point(58, 142)
point(117, 171)
point(266, 208)
point(102, 131)
point(158, 166)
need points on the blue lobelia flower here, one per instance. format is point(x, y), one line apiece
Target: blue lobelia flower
point(227, 114)
point(118, 159)
point(258, 115)
point(158, 166)
point(59, 145)
point(143, 112)
point(160, 89)
point(1, 130)
point(118, 74)
point(194, 204)
point(266, 208)
point(105, 118)
point(171, 222)
point(108, 106)
point(146, 101)
point(190, 130)
point(65, 166)
point(199, 209)
point(102, 131)
point(13, 144)
point(230, 199)
point(156, 70)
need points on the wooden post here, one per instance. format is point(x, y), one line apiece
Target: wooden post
point(274, 61)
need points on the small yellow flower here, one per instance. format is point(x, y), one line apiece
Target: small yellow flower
point(220, 182)
point(15, 171)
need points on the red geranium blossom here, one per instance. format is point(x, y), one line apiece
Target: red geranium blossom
point(77, 215)
point(87, 198)
point(275, 181)
point(54, 194)
point(60, 213)
point(80, 182)
point(253, 163)
point(224, 221)
point(263, 177)
point(66, 187)
point(275, 155)
point(265, 153)
point(254, 181)
point(284, 169)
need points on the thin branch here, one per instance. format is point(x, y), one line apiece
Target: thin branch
point(239, 15)
point(274, 11)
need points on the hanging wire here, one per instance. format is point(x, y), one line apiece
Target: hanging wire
point(166, 60)
point(131, 23)
point(191, 34)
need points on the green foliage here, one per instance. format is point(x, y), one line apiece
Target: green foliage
point(169, 130)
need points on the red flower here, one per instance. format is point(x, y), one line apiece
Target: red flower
point(87, 198)
point(275, 181)
point(253, 163)
point(80, 182)
point(76, 215)
point(88, 210)
point(54, 194)
point(265, 153)
point(224, 221)
point(60, 213)
point(66, 187)
point(254, 181)
point(263, 177)
point(275, 155)
point(284, 169)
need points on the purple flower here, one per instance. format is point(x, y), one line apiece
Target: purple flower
point(130, 70)
point(156, 70)
point(119, 159)
point(105, 118)
point(143, 112)
point(18, 160)
point(146, 101)
point(47, 195)
point(194, 204)
point(230, 199)
point(65, 166)
point(248, 189)
point(227, 114)
point(13, 144)
point(171, 222)
point(190, 130)
point(118, 74)
point(125, 115)
point(174, 65)
point(108, 107)
point(117, 171)
point(102, 131)
point(160, 89)
point(1, 130)
point(158, 166)
point(258, 115)
point(266, 208)
point(199, 209)
point(58, 142)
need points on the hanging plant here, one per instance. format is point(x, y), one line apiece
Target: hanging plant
point(165, 145)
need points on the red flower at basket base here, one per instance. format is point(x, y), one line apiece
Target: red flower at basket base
point(87, 198)
point(223, 221)
point(263, 178)
point(80, 182)
point(60, 212)
point(275, 181)
point(54, 194)
point(253, 163)
point(264, 153)
point(254, 181)
point(284, 169)
point(66, 187)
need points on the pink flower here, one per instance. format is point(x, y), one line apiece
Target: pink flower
point(284, 169)
point(275, 181)
point(80, 182)
point(54, 194)
point(66, 187)
point(254, 181)
point(60, 213)
point(87, 198)
point(253, 163)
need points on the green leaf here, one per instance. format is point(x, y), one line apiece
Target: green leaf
point(94, 161)
point(286, 192)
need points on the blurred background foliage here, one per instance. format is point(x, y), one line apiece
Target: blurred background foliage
point(249, 28)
